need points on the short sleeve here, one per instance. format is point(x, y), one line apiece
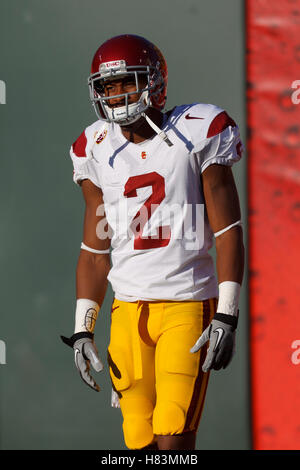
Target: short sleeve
point(82, 158)
point(223, 144)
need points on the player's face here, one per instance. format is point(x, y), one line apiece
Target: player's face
point(120, 86)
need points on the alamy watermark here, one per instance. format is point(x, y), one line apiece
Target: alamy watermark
point(2, 343)
point(2, 352)
point(296, 94)
point(2, 92)
point(153, 222)
point(295, 358)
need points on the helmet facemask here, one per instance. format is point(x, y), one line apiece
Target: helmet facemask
point(149, 76)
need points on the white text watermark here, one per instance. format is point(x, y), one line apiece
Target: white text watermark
point(2, 92)
point(296, 94)
point(153, 222)
point(296, 354)
point(2, 352)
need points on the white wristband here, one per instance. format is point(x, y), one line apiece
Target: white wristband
point(229, 294)
point(217, 234)
point(92, 250)
point(86, 315)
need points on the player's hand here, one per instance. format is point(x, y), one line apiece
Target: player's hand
point(221, 337)
point(86, 354)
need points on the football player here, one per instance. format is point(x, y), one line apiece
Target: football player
point(158, 188)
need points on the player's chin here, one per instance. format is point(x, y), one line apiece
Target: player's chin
point(132, 125)
point(121, 104)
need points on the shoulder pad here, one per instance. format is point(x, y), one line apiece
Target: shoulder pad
point(219, 123)
point(79, 146)
point(201, 121)
point(82, 147)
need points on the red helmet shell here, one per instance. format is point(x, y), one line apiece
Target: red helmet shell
point(135, 51)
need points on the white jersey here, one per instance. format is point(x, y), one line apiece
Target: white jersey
point(153, 201)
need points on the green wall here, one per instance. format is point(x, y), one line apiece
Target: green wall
point(46, 51)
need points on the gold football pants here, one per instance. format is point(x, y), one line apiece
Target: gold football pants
point(161, 385)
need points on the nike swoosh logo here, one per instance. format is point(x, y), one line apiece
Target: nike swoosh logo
point(192, 117)
point(220, 332)
point(114, 308)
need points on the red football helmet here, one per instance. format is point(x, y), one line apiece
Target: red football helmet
point(122, 56)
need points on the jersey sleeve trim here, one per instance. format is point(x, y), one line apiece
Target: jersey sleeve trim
point(79, 146)
point(81, 154)
point(78, 178)
point(224, 148)
point(219, 124)
point(218, 161)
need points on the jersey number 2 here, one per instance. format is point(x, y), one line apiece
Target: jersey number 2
point(163, 235)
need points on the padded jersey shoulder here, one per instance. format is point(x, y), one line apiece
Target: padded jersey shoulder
point(82, 147)
point(81, 153)
point(200, 121)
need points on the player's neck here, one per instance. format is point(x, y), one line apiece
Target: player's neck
point(140, 130)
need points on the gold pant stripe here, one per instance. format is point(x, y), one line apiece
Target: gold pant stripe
point(197, 416)
point(201, 379)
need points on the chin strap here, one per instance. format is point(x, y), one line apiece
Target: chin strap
point(158, 131)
